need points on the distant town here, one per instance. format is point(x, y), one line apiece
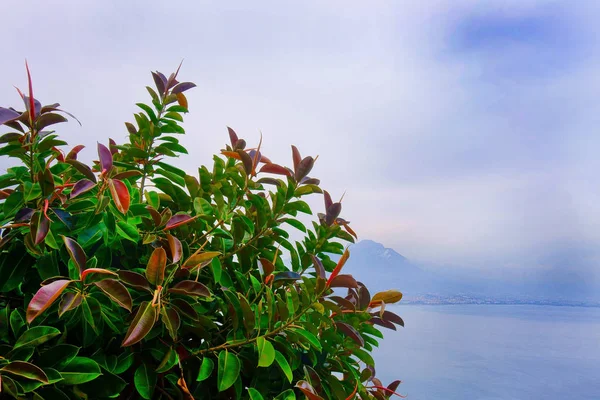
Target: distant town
point(436, 299)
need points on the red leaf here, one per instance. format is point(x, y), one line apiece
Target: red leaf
point(275, 169)
point(304, 168)
point(232, 137)
point(178, 220)
point(328, 201)
point(380, 322)
point(296, 157)
point(183, 86)
point(40, 225)
point(7, 115)
point(175, 247)
point(32, 110)
point(171, 319)
point(101, 271)
point(69, 301)
point(155, 270)
point(320, 270)
point(159, 82)
point(44, 298)
point(268, 267)
point(141, 324)
point(352, 333)
point(127, 174)
point(83, 169)
point(185, 308)
point(25, 370)
point(76, 253)
point(120, 195)
point(308, 390)
point(72, 155)
point(135, 280)
point(345, 281)
point(116, 292)
point(82, 186)
point(391, 317)
point(339, 266)
point(190, 288)
point(106, 158)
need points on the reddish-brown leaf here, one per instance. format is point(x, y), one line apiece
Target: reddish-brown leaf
point(308, 390)
point(175, 247)
point(320, 270)
point(81, 187)
point(391, 317)
point(127, 174)
point(185, 308)
point(275, 169)
point(68, 302)
point(116, 291)
point(25, 370)
point(135, 280)
point(40, 225)
point(156, 217)
point(349, 331)
point(155, 270)
point(190, 288)
point(268, 267)
point(296, 157)
point(182, 100)
point(171, 319)
point(380, 322)
point(304, 168)
point(99, 271)
point(141, 325)
point(120, 195)
point(233, 138)
point(76, 253)
point(178, 220)
point(106, 158)
point(72, 155)
point(343, 280)
point(246, 160)
point(44, 298)
point(339, 266)
point(83, 169)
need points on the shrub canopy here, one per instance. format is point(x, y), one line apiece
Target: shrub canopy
point(131, 278)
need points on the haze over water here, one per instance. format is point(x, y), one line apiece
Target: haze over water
point(480, 352)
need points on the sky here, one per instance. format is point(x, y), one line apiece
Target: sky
point(463, 132)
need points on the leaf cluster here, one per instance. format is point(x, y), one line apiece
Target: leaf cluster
point(132, 278)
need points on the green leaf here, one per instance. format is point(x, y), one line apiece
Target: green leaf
point(287, 395)
point(284, 365)
point(299, 205)
point(58, 356)
point(228, 370)
point(254, 394)
point(80, 370)
point(145, 381)
point(266, 352)
point(206, 369)
point(312, 339)
point(16, 322)
point(36, 336)
point(127, 231)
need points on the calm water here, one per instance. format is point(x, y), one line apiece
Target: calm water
point(479, 352)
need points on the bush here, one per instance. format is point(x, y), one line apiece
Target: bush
point(130, 278)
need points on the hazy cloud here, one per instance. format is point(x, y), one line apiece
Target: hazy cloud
point(464, 131)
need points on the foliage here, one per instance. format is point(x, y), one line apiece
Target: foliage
point(131, 278)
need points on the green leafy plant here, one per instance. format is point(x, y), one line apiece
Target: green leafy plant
point(131, 278)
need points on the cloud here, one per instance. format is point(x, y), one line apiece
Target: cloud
point(463, 132)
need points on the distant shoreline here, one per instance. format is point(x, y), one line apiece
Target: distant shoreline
point(459, 300)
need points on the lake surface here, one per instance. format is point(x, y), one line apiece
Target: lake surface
point(481, 352)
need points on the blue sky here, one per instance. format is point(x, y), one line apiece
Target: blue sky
point(463, 131)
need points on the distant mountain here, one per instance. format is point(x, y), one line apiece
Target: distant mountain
point(381, 268)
